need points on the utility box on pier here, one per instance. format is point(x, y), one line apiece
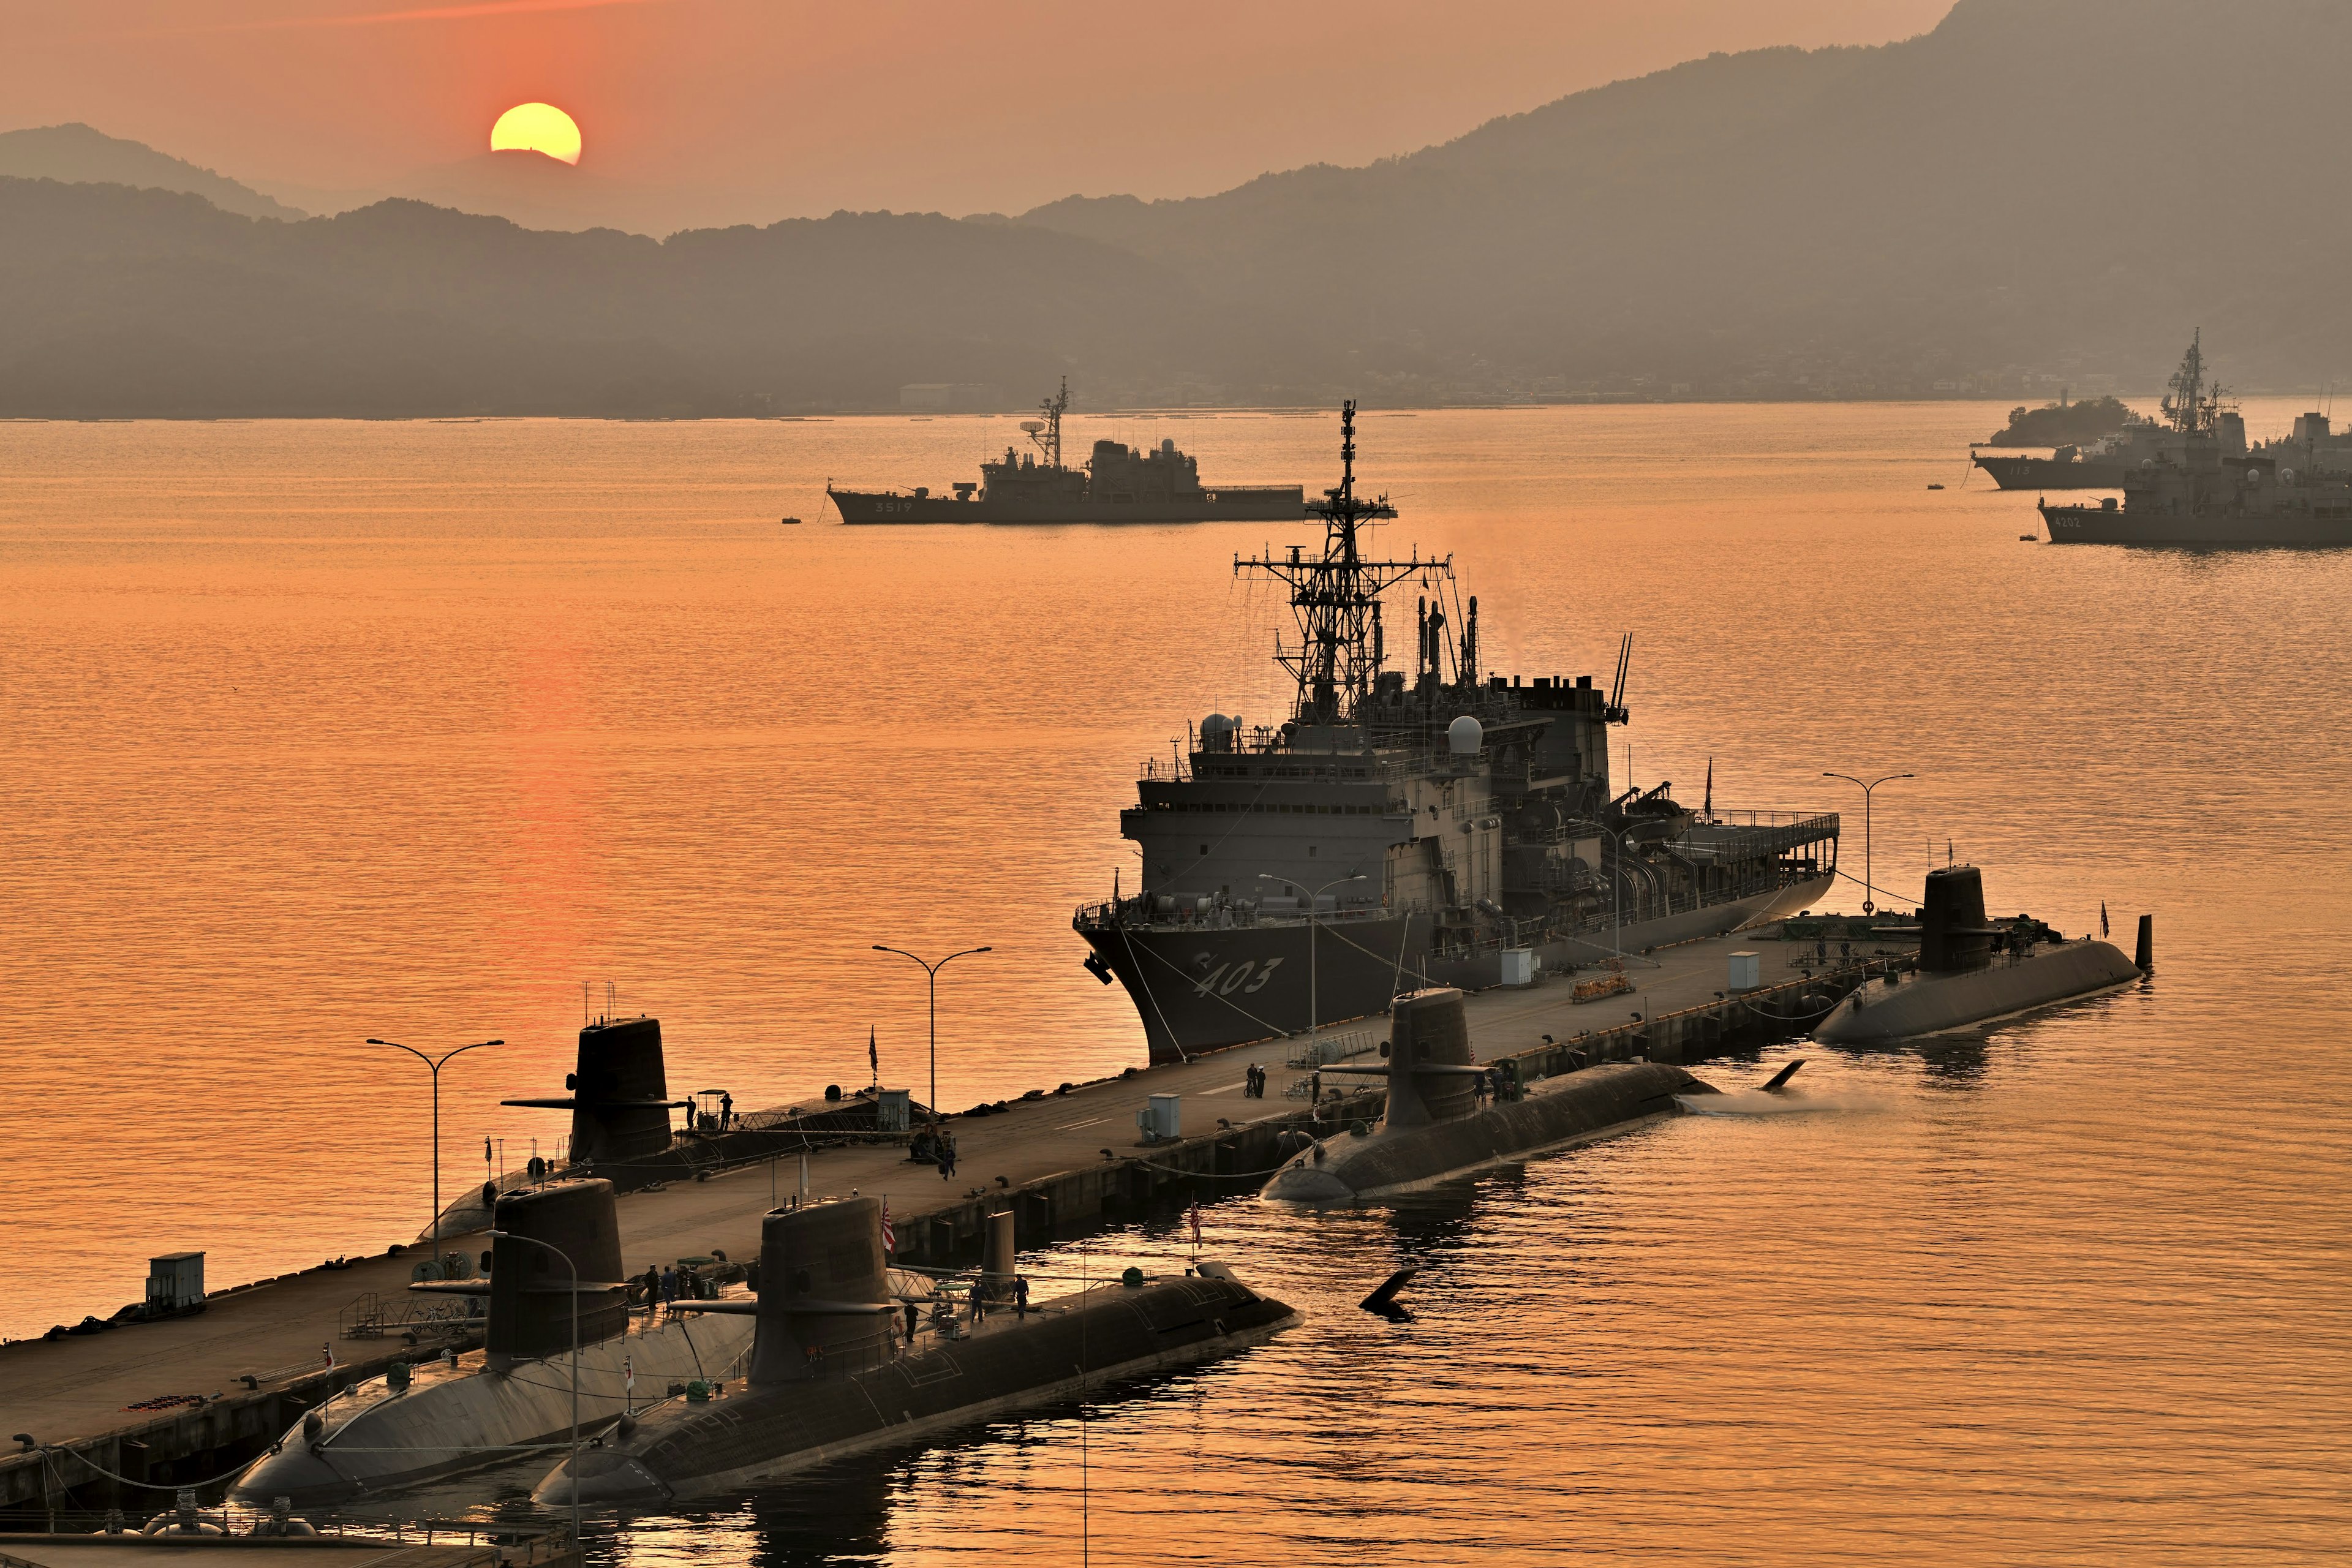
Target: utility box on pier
point(1162, 1118)
point(1518, 966)
point(890, 1113)
point(175, 1281)
point(1747, 971)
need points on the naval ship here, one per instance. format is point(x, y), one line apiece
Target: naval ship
point(2209, 490)
point(1117, 484)
point(1411, 828)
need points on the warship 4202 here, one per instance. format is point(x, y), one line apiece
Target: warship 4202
point(1408, 829)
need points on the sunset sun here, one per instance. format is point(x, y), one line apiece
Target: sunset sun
point(537, 128)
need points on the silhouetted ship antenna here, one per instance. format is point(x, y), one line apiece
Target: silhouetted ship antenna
point(1337, 598)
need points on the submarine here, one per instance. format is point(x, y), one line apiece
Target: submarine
point(1432, 1126)
point(839, 1366)
point(1961, 980)
point(420, 1422)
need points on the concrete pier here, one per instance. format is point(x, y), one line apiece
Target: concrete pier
point(256, 1359)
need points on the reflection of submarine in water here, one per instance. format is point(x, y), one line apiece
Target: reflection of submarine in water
point(430, 1420)
point(834, 1372)
point(1433, 1127)
point(1962, 981)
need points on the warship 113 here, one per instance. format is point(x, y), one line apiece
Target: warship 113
point(2208, 489)
point(1117, 484)
point(1409, 827)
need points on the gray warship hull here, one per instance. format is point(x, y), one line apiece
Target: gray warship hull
point(2018, 473)
point(1250, 503)
point(1205, 987)
point(2101, 525)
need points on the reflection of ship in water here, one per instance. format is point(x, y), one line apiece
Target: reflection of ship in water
point(1409, 827)
point(1118, 484)
point(2208, 489)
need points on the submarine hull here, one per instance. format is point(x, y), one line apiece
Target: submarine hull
point(451, 1419)
point(1056, 1351)
point(1927, 1003)
point(1555, 1110)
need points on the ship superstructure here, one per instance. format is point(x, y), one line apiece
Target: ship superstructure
point(1424, 824)
point(1119, 483)
point(2207, 488)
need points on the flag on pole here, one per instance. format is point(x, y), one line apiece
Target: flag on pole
point(1195, 1217)
point(889, 1237)
point(2103, 917)
point(873, 1057)
point(629, 1373)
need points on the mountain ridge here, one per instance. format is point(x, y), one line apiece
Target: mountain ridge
point(81, 155)
point(2015, 200)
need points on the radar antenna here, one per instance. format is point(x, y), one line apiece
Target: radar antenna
point(1335, 597)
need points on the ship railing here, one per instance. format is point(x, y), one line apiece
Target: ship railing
point(1320, 1050)
point(1770, 818)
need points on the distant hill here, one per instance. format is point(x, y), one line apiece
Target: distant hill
point(129, 302)
point(2065, 424)
point(2037, 193)
point(78, 154)
point(2036, 185)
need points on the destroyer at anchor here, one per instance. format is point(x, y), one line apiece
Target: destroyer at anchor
point(1409, 828)
point(1119, 483)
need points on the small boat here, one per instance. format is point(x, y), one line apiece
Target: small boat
point(791, 522)
point(1935, 487)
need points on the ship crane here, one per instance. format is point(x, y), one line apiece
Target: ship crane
point(1337, 595)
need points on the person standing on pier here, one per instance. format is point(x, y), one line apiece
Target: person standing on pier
point(1021, 1295)
point(726, 1111)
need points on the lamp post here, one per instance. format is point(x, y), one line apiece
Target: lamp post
point(1352, 877)
point(436, 1066)
point(515, 1235)
point(1616, 875)
point(1868, 888)
point(933, 971)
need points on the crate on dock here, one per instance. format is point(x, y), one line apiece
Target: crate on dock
point(1161, 1118)
point(175, 1282)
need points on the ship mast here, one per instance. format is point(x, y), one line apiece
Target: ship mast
point(1047, 433)
point(1337, 596)
point(2185, 405)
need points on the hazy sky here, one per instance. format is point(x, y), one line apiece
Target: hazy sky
point(803, 108)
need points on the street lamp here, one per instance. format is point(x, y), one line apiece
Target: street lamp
point(933, 971)
point(1868, 908)
point(435, 1066)
point(516, 1235)
point(1352, 877)
point(1616, 875)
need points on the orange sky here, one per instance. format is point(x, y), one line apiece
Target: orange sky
point(782, 108)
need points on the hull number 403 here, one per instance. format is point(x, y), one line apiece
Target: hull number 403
point(1228, 978)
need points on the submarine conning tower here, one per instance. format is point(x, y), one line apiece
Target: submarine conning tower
point(530, 1287)
point(1953, 935)
point(825, 1293)
point(620, 1101)
point(1429, 1029)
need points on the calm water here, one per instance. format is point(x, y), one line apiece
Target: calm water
point(320, 731)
